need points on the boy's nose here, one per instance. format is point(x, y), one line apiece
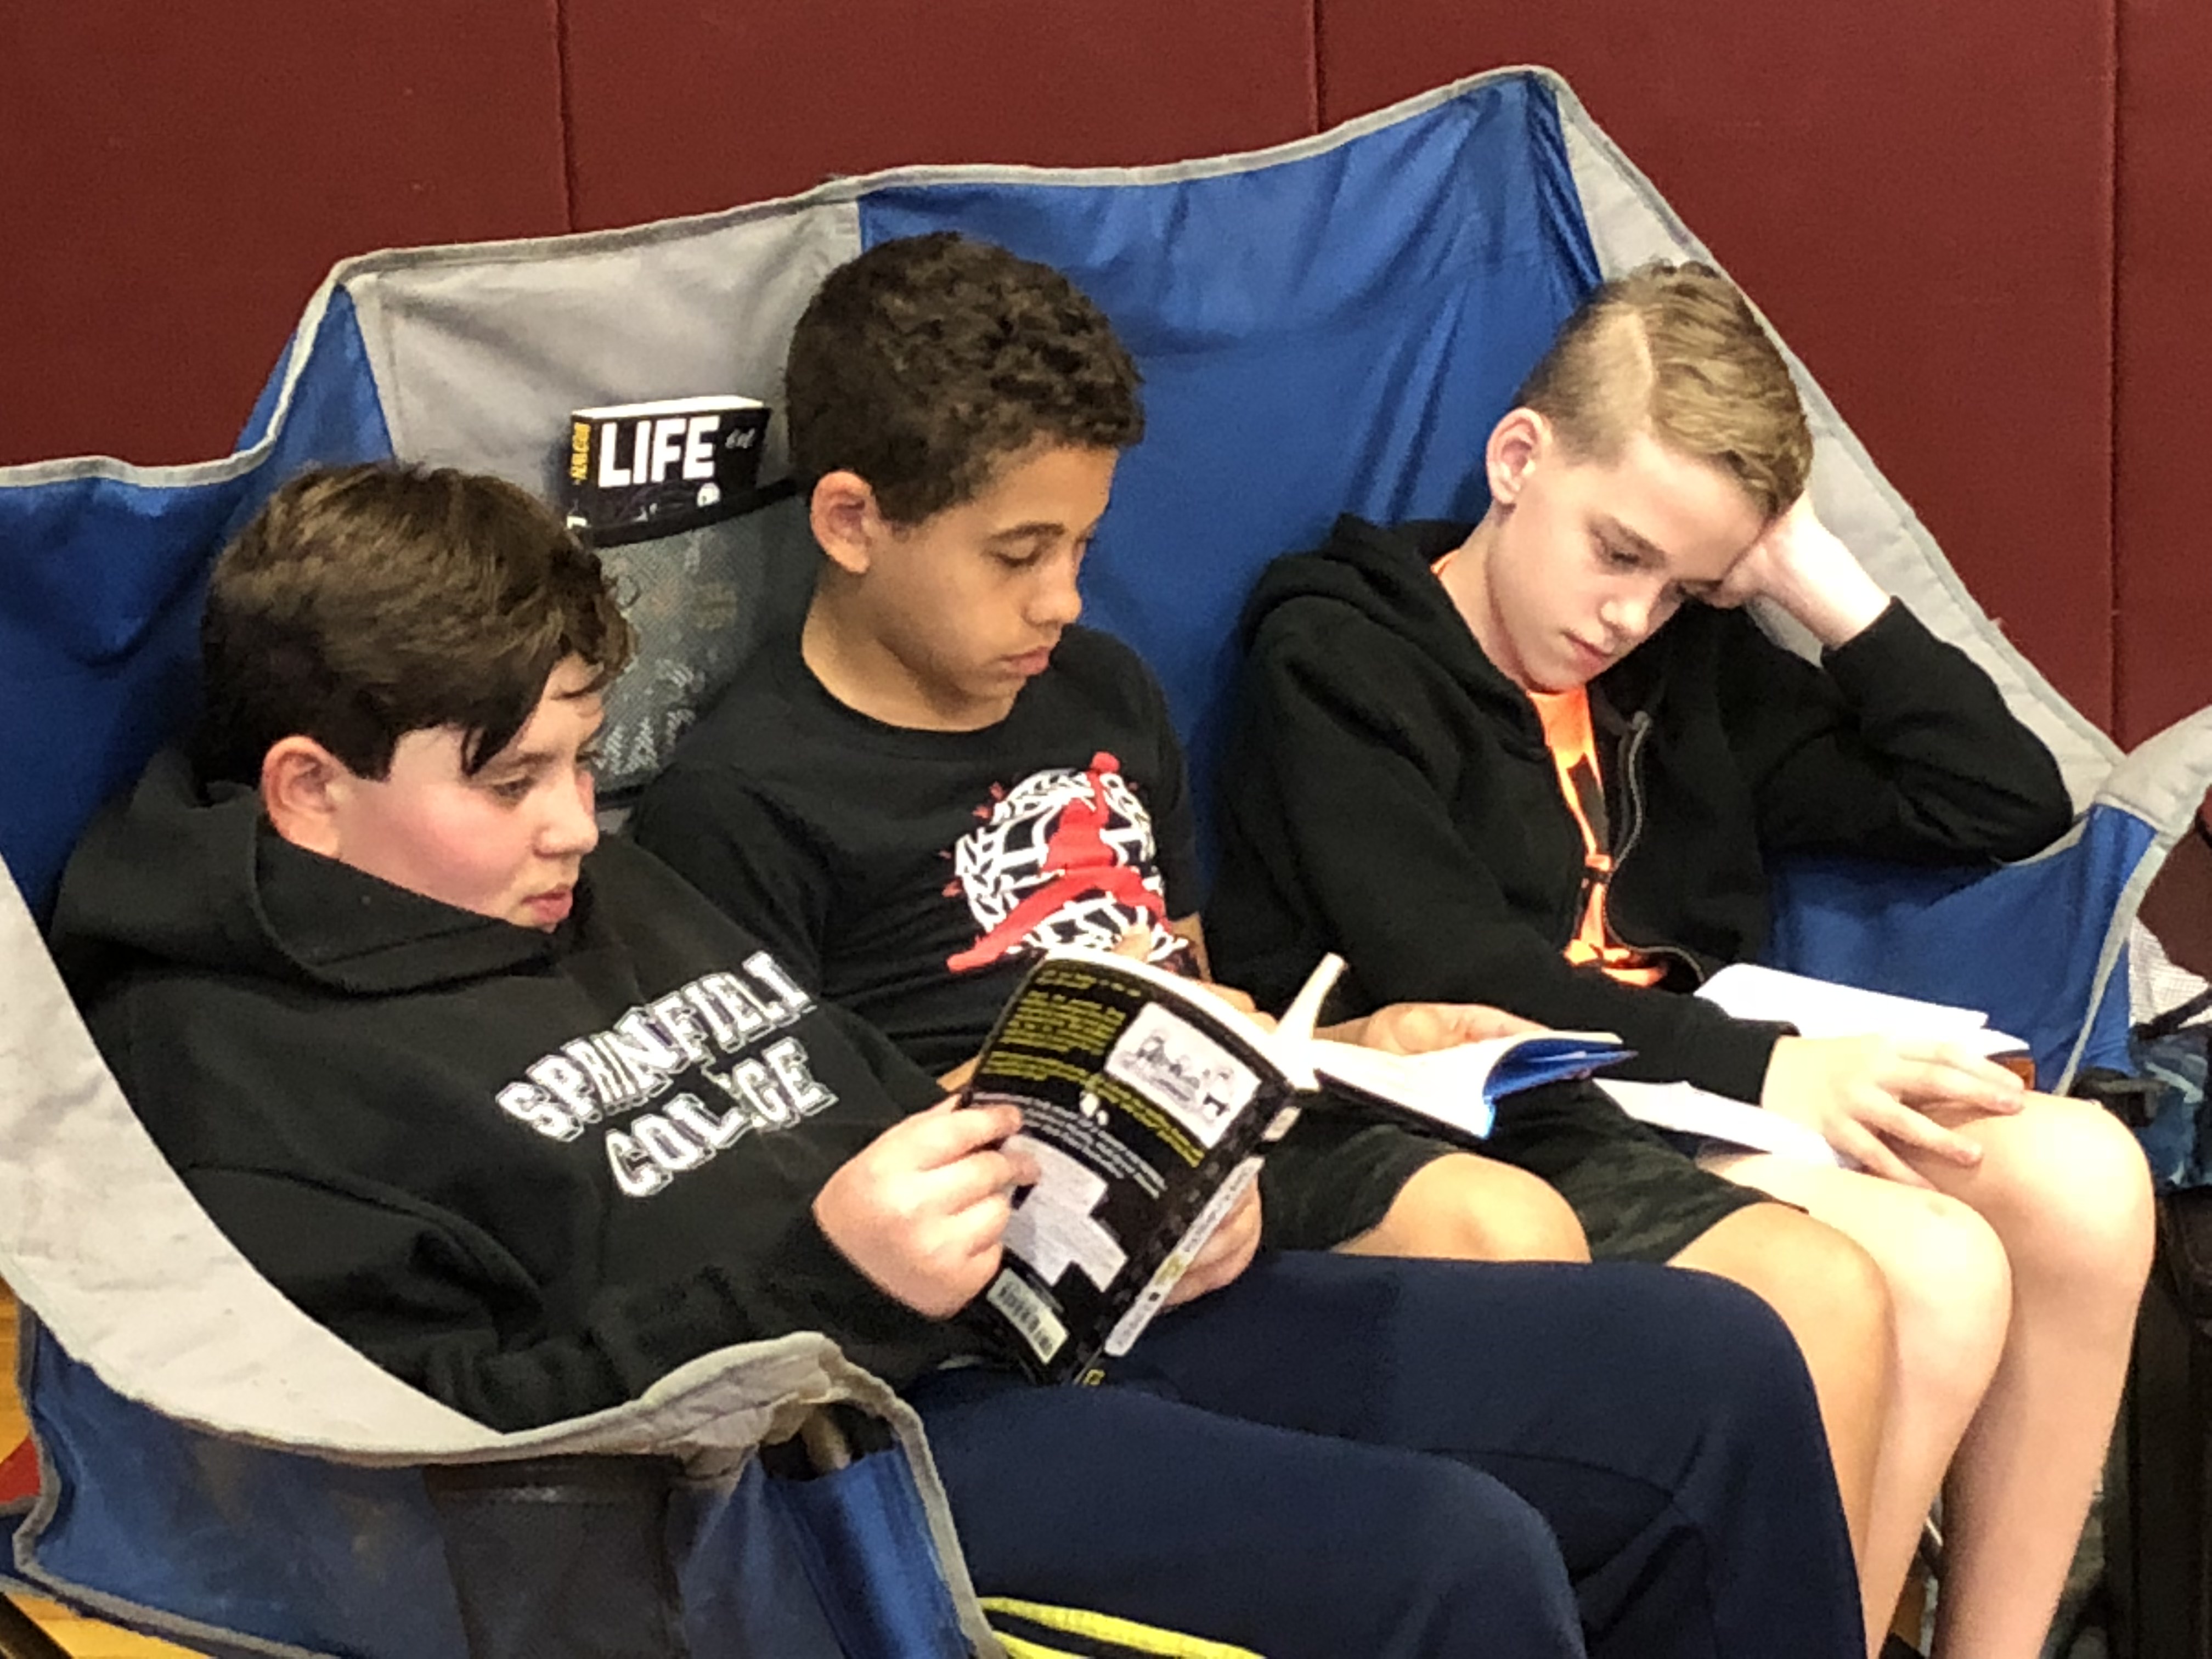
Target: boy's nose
point(572, 828)
point(1057, 601)
point(1628, 615)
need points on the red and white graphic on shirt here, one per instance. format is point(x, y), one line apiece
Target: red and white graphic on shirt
point(1063, 858)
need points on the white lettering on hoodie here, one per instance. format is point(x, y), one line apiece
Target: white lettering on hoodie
point(618, 1073)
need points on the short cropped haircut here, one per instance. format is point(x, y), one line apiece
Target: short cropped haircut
point(364, 602)
point(928, 361)
point(1674, 351)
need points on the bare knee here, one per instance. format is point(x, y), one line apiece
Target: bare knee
point(1535, 1225)
point(1840, 1279)
point(1833, 1294)
point(1951, 1281)
point(1465, 1208)
point(2071, 1195)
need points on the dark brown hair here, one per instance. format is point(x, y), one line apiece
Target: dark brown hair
point(1676, 351)
point(927, 361)
point(363, 603)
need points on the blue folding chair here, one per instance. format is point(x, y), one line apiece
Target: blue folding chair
point(1325, 326)
point(218, 1469)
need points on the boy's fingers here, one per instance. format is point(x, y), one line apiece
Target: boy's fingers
point(1744, 579)
point(1983, 1070)
point(1243, 1217)
point(1026, 1170)
point(1948, 1074)
point(974, 1229)
point(1229, 995)
point(1726, 597)
point(1226, 1255)
point(981, 1175)
point(1416, 1028)
point(1237, 1000)
point(1135, 942)
point(1870, 1152)
point(937, 1136)
point(1479, 1022)
point(1902, 1124)
point(1239, 1232)
point(1959, 1058)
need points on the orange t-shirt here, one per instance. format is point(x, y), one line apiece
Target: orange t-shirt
point(1567, 733)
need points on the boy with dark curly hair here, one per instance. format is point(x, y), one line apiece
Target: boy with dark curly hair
point(945, 774)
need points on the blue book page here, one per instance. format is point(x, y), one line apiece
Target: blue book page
point(1459, 1087)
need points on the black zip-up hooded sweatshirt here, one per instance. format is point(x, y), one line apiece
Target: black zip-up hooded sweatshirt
point(1388, 794)
point(528, 1172)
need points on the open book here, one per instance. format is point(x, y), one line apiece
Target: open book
point(1818, 1008)
point(1821, 1008)
point(1685, 1108)
point(1147, 1102)
point(1457, 1090)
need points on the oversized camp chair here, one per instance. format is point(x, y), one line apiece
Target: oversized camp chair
point(219, 1469)
point(1325, 326)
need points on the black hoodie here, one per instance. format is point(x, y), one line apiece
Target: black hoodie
point(528, 1172)
point(1388, 794)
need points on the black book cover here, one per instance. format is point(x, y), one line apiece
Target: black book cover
point(1145, 1102)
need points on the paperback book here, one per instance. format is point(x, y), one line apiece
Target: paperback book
point(1148, 1103)
point(1817, 1008)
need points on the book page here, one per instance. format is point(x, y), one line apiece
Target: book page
point(1459, 1086)
point(1687, 1110)
point(1821, 1008)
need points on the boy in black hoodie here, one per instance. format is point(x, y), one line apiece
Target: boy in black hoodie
point(1541, 761)
point(528, 1122)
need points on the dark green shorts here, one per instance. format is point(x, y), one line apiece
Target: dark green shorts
point(1639, 1196)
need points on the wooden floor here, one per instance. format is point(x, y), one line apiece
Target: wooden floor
point(87, 1639)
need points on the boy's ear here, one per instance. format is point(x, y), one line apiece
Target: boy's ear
point(846, 520)
point(303, 786)
point(1516, 444)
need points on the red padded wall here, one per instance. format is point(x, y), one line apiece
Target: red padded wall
point(179, 178)
point(1922, 196)
point(680, 112)
point(1918, 195)
point(2163, 433)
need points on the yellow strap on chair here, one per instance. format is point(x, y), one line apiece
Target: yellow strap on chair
point(1102, 1633)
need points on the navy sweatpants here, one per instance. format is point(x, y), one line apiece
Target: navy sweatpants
point(1347, 1458)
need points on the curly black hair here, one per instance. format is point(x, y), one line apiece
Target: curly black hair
point(927, 361)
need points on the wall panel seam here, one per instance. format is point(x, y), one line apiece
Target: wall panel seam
point(565, 96)
point(2115, 222)
point(1317, 85)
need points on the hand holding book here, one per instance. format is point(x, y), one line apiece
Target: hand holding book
point(1421, 1028)
point(922, 1210)
point(1856, 1078)
point(1146, 1102)
point(1224, 1254)
point(1863, 1095)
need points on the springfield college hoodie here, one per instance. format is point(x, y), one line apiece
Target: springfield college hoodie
point(530, 1173)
